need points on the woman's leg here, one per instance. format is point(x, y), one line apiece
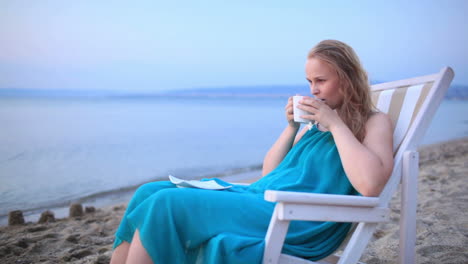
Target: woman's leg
point(175, 225)
point(137, 253)
point(119, 256)
point(125, 232)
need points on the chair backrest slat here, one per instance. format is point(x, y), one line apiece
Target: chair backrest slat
point(402, 104)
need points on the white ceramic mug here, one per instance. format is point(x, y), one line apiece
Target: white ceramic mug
point(298, 112)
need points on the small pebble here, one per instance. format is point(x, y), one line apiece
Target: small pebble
point(36, 229)
point(90, 209)
point(22, 243)
point(102, 260)
point(73, 238)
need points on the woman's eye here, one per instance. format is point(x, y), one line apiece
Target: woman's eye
point(320, 80)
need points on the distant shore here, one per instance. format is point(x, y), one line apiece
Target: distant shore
point(441, 225)
point(455, 92)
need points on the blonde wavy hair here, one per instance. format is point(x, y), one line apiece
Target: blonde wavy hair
point(357, 105)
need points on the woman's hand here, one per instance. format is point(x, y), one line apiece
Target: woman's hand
point(320, 112)
point(290, 114)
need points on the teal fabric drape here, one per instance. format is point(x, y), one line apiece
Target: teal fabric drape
point(185, 225)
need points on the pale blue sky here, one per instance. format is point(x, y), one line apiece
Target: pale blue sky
point(161, 45)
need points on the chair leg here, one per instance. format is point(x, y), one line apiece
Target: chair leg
point(357, 243)
point(409, 197)
point(275, 237)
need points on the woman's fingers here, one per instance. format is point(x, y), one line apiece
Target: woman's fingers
point(312, 106)
point(290, 113)
point(289, 104)
point(309, 117)
point(310, 109)
point(289, 109)
point(311, 102)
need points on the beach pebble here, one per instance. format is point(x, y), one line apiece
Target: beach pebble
point(79, 254)
point(102, 260)
point(90, 209)
point(47, 217)
point(119, 208)
point(76, 210)
point(15, 218)
point(103, 250)
point(73, 238)
point(36, 229)
point(22, 243)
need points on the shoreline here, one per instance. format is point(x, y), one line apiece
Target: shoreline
point(123, 195)
point(442, 220)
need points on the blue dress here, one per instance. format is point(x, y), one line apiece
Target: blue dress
point(185, 225)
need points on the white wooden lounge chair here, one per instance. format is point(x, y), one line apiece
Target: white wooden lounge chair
point(411, 104)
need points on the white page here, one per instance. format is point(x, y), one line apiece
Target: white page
point(209, 185)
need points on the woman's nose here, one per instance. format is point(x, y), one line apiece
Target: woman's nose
point(314, 89)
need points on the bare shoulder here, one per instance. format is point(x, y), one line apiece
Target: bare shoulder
point(379, 131)
point(379, 122)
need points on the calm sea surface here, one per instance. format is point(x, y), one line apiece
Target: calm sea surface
point(56, 151)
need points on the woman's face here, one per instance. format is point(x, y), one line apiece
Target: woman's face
point(324, 82)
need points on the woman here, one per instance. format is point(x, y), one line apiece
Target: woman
point(349, 152)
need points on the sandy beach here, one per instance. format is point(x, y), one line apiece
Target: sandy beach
point(442, 222)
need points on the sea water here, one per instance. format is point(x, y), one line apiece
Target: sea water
point(54, 151)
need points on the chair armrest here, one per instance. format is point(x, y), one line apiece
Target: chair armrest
point(320, 199)
point(327, 207)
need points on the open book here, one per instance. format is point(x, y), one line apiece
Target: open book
point(208, 184)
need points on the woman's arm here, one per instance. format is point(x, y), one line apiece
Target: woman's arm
point(284, 143)
point(279, 150)
point(369, 164)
